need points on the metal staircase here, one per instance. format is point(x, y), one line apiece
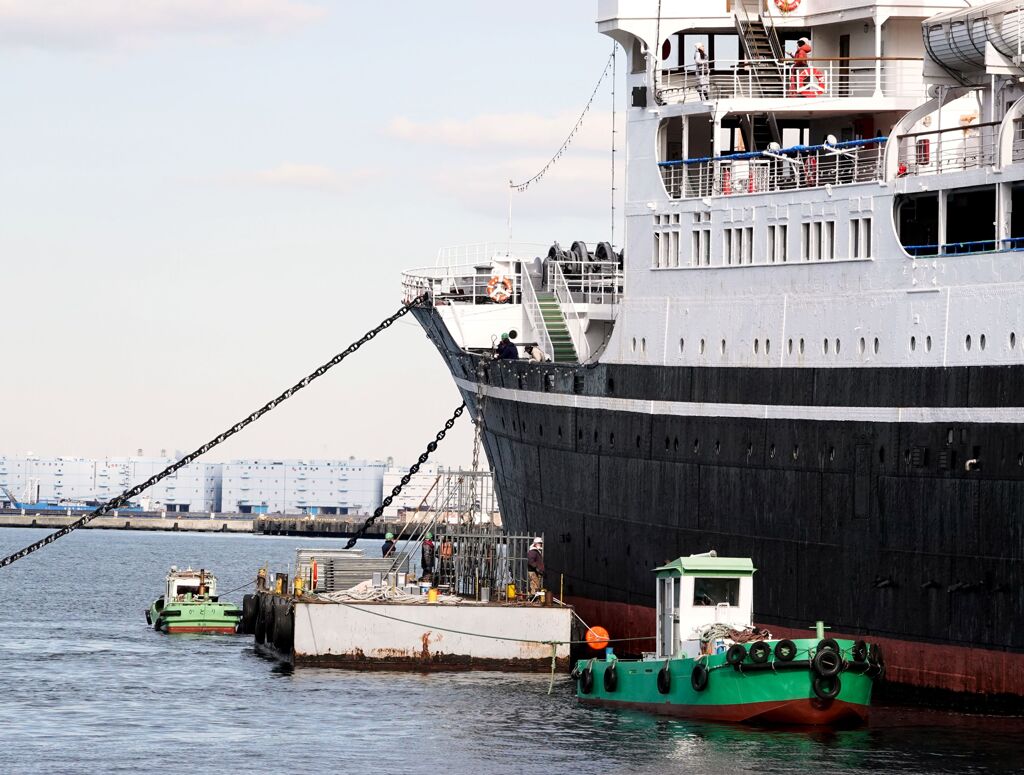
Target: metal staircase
point(764, 61)
point(562, 347)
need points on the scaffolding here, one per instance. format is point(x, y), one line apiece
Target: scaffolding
point(481, 561)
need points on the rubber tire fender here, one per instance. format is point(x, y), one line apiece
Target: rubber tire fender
point(587, 680)
point(827, 663)
point(829, 643)
point(699, 677)
point(785, 650)
point(759, 652)
point(826, 688)
point(611, 678)
point(736, 654)
point(859, 652)
point(664, 680)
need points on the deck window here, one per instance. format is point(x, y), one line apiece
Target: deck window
point(716, 591)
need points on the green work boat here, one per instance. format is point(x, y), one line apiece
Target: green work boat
point(190, 604)
point(712, 664)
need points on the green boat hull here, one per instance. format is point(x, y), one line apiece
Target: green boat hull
point(773, 691)
point(198, 615)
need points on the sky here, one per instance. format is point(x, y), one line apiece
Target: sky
point(203, 200)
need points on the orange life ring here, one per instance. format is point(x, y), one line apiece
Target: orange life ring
point(787, 6)
point(810, 82)
point(499, 288)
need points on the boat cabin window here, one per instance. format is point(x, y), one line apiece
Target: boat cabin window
point(716, 591)
point(186, 589)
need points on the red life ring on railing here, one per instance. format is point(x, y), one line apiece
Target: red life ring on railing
point(787, 6)
point(499, 288)
point(809, 82)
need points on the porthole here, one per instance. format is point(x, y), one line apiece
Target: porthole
point(675, 444)
point(718, 447)
point(595, 435)
point(579, 435)
point(831, 453)
point(1020, 460)
point(789, 346)
point(696, 446)
point(634, 344)
point(643, 344)
point(838, 346)
point(981, 341)
point(824, 346)
point(927, 344)
point(638, 442)
point(796, 451)
point(875, 347)
point(750, 449)
point(881, 456)
point(949, 437)
point(611, 385)
point(668, 443)
point(503, 421)
point(682, 344)
point(559, 431)
point(860, 345)
point(801, 346)
point(767, 346)
point(771, 451)
point(913, 343)
point(967, 343)
point(722, 347)
point(1013, 339)
point(757, 345)
point(701, 346)
point(541, 429)
point(611, 439)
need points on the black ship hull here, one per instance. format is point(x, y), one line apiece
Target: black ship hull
point(902, 525)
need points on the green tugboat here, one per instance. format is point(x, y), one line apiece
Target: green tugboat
point(190, 604)
point(712, 664)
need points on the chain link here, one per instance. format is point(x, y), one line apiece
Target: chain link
point(413, 470)
point(123, 498)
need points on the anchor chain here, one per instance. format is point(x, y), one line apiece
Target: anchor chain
point(477, 434)
point(424, 456)
point(123, 498)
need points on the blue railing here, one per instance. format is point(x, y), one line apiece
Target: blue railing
point(794, 149)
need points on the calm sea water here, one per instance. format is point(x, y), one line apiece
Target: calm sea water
point(86, 686)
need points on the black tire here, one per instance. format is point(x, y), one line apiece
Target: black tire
point(876, 659)
point(826, 688)
point(759, 652)
point(587, 681)
point(829, 643)
point(611, 678)
point(827, 663)
point(785, 650)
point(736, 654)
point(859, 652)
point(699, 677)
point(664, 680)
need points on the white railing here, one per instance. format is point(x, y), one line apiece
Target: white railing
point(476, 253)
point(1018, 140)
point(464, 284)
point(800, 167)
point(948, 150)
point(535, 315)
point(785, 79)
point(593, 282)
point(571, 315)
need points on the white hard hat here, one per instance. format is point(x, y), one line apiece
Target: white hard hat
point(538, 540)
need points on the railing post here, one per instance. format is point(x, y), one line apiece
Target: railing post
point(878, 60)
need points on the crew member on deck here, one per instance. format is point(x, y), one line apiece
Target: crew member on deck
point(507, 351)
point(802, 52)
point(535, 565)
point(535, 354)
point(702, 67)
point(388, 549)
point(427, 557)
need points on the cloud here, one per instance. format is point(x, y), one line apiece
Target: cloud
point(507, 130)
point(87, 24)
point(300, 176)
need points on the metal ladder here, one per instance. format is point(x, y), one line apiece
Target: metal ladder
point(554, 321)
point(764, 54)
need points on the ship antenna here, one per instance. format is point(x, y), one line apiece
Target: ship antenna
point(615, 47)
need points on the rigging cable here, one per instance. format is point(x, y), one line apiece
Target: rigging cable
point(615, 47)
point(123, 498)
point(520, 187)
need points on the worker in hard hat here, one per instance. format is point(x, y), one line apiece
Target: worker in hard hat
point(507, 350)
point(388, 549)
point(427, 557)
point(535, 565)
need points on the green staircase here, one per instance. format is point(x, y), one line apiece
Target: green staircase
point(558, 331)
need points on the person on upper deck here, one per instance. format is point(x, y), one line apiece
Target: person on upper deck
point(535, 565)
point(702, 69)
point(803, 50)
point(507, 351)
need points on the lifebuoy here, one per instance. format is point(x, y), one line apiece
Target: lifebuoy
point(826, 688)
point(664, 680)
point(499, 288)
point(736, 654)
point(787, 6)
point(611, 678)
point(759, 652)
point(809, 82)
point(699, 677)
point(785, 650)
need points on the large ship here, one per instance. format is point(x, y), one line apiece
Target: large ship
point(810, 348)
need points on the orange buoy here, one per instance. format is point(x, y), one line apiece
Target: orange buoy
point(597, 638)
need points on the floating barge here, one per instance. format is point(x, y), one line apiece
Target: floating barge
point(393, 621)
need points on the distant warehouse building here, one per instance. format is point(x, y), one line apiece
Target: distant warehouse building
point(28, 480)
point(314, 487)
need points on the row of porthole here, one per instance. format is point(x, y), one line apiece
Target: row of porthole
point(801, 346)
